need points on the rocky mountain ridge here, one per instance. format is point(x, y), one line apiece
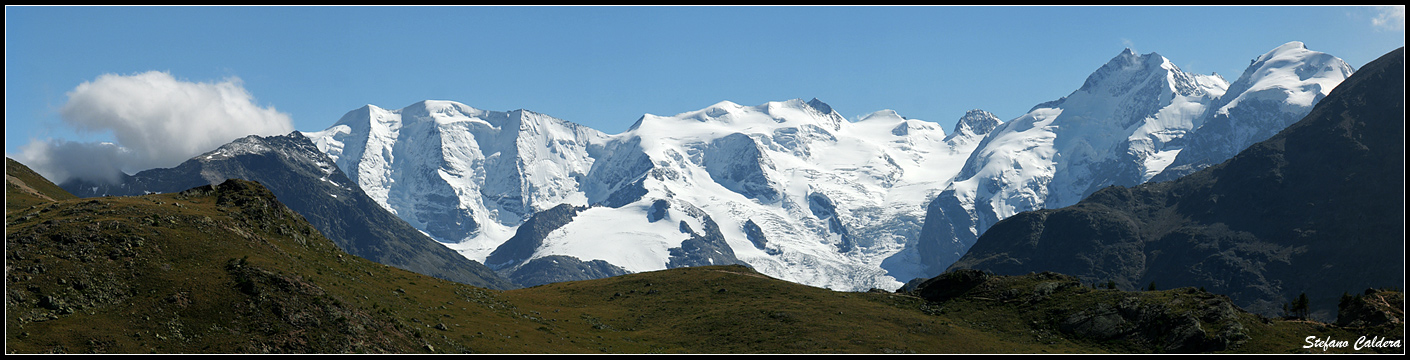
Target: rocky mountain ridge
point(1318, 209)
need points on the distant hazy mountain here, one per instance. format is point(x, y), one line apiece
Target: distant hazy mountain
point(307, 181)
point(1318, 208)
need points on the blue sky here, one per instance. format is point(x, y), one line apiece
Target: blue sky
point(606, 66)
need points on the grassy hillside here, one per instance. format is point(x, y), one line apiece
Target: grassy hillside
point(24, 187)
point(227, 269)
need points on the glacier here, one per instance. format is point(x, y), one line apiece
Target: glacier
point(792, 188)
point(830, 202)
point(1132, 119)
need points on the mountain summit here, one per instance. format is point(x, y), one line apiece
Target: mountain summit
point(791, 188)
point(1277, 89)
point(457, 172)
point(1318, 209)
point(1131, 119)
point(974, 125)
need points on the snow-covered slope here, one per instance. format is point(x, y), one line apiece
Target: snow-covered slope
point(1132, 119)
point(459, 173)
point(1277, 89)
point(798, 191)
point(791, 188)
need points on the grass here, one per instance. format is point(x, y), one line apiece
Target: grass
point(229, 270)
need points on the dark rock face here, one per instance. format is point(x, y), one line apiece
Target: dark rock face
point(824, 209)
point(305, 180)
point(974, 123)
point(513, 258)
point(658, 210)
point(951, 284)
point(1130, 319)
point(559, 268)
point(756, 236)
point(443, 220)
point(946, 220)
point(1318, 208)
point(530, 236)
point(705, 249)
point(1172, 321)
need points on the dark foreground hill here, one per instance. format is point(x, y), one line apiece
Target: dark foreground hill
point(24, 187)
point(306, 180)
point(228, 269)
point(1318, 209)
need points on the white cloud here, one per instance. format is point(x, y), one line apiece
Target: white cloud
point(1389, 18)
point(157, 121)
point(59, 160)
point(1129, 45)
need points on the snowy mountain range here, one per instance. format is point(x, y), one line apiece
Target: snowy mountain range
point(1314, 212)
point(1130, 120)
point(1276, 90)
point(792, 188)
point(795, 189)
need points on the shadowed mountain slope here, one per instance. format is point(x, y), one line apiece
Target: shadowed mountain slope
point(1316, 209)
point(306, 180)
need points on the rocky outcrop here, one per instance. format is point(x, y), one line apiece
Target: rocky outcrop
point(154, 269)
point(1182, 320)
point(705, 247)
point(559, 268)
point(1372, 308)
point(530, 236)
point(305, 180)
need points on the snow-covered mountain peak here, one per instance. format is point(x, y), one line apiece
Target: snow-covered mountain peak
point(252, 144)
point(1129, 59)
point(887, 115)
point(1119, 128)
point(790, 187)
point(449, 112)
point(727, 117)
point(455, 171)
point(1127, 70)
point(261, 145)
point(974, 124)
point(1136, 118)
point(820, 106)
point(1291, 47)
point(1290, 72)
point(358, 118)
point(1277, 89)
point(888, 125)
point(794, 188)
